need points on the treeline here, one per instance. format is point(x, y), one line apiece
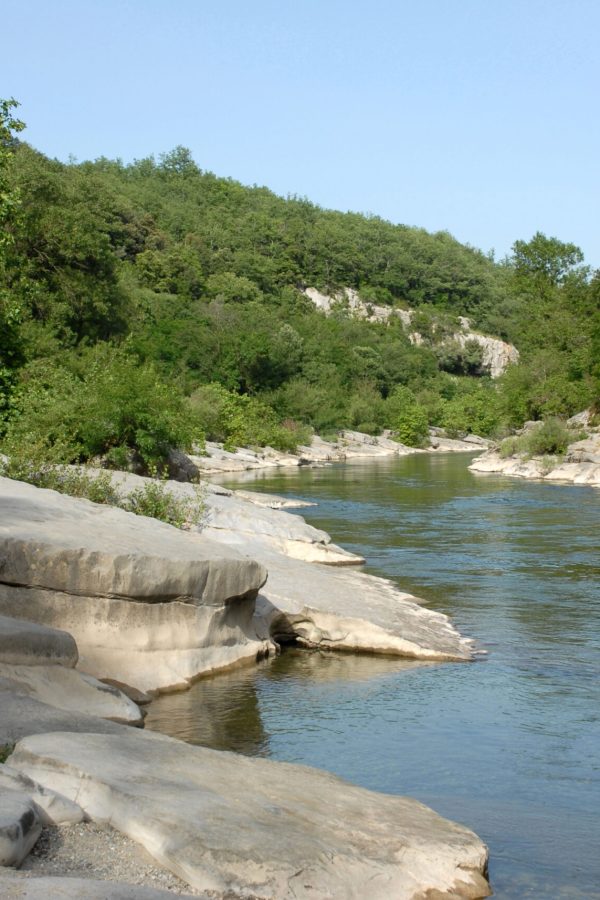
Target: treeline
point(149, 304)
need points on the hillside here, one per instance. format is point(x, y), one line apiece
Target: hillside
point(147, 304)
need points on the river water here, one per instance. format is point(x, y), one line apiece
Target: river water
point(508, 745)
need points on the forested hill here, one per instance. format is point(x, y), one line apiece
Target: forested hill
point(143, 304)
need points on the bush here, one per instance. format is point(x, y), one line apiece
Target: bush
point(406, 418)
point(104, 403)
point(239, 420)
point(153, 499)
point(549, 438)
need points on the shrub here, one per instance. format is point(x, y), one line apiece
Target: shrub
point(106, 402)
point(406, 418)
point(154, 499)
point(239, 420)
point(549, 438)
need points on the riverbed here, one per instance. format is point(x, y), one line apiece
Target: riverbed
point(510, 744)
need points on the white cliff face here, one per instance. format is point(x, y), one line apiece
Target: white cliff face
point(497, 354)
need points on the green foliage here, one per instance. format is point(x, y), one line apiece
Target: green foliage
point(244, 421)
point(470, 411)
point(406, 418)
point(154, 499)
point(548, 438)
point(125, 287)
point(5, 751)
point(99, 402)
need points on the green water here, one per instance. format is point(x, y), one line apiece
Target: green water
point(508, 745)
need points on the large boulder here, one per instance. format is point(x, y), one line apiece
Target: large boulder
point(28, 644)
point(240, 826)
point(147, 604)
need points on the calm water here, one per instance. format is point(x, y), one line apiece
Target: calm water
point(509, 745)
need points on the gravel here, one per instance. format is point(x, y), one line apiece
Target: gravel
point(90, 850)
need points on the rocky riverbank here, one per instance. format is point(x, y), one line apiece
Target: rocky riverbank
point(92, 594)
point(349, 445)
point(579, 465)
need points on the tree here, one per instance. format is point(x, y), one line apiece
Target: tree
point(10, 313)
point(546, 260)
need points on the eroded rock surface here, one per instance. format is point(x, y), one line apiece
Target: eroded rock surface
point(52, 808)
point(28, 644)
point(147, 604)
point(227, 823)
point(72, 691)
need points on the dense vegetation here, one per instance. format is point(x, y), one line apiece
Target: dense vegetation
point(146, 305)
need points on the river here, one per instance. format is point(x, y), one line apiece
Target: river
point(508, 745)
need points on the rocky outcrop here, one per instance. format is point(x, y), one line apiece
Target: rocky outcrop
point(497, 355)
point(580, 465)
point(51, 808)
point(147, 604)
point(348, 446)
point(240, 826)
point(72, 691)
point(152, 607)
point(308, 602)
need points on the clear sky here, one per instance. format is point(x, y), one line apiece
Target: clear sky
point(480, 117)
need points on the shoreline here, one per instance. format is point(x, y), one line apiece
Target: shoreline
point(350, 445)
point(103, 768)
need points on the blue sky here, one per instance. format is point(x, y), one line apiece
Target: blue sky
point(475, 116)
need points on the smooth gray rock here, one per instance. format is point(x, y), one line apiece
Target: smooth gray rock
point(227, 823)
point(51, 541)
point(73, 691)
point(25, 643)
point(20, 826)
point(231, 511)
point(52, 808)
point(21, 715)
point(15, 885)
point(150, 646)
point(538, 468)
point(147, 604)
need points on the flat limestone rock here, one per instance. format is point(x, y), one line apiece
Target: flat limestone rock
point(52, 541)
point(52, 808)
point(21, 715)
point(73, 691)
point(227, 823)
point(25, 643)
point(343, 609)
point(20, 826)
point(15, 885)
point(232, 511)
point(147, 604)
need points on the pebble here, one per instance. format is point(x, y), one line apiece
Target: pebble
point(91, 850)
